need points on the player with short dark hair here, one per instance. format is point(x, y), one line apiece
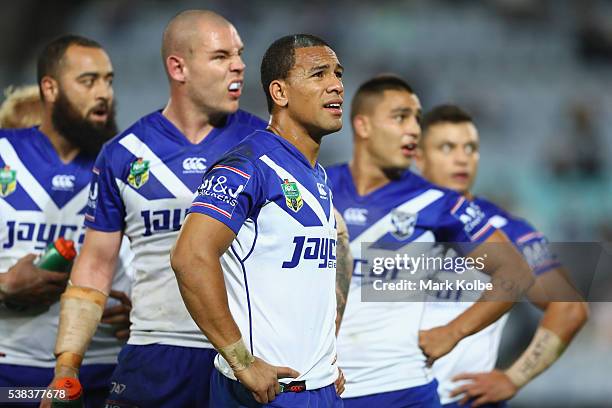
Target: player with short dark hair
point(44, 182)
point(143, 183)
point(256, 258)
point(385, 206)
point(449, 156)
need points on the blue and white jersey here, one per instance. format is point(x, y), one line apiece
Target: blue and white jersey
point(478, 353)
point(280, 270)
point(378, 341)
point(42, 199)
point(144, 182)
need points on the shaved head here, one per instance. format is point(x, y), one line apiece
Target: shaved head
point(185, 30)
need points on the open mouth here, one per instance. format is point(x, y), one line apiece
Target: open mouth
point(99, 113)
point(461, 176)
point(235, 88)
point(409, 149)
point(335, 107)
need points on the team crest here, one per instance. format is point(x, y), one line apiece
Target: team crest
point(403, 224)
point(139, 173)
point(8, 181)
point(293, 198)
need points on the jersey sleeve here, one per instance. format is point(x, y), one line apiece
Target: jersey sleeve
point(230, 192)
point(535, 248)
point(105, 208)
point(463, 220)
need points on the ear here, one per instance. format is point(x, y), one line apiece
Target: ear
point(176, 68)
point(50, 89)
point(361, 126)
point(278, 92)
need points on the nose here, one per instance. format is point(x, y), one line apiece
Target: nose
point(336, 86)
point(412, 127)
point(460, 157)
point(104, 90)
point(237, 65)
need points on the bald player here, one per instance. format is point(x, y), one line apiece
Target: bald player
point(143, 183)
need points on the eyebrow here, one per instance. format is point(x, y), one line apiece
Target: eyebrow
point(326, 66)
point(405, 110)
point(95, 74)
point(226, 52)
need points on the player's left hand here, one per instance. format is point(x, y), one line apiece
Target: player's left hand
point(119, 315)
point(340, 381)
point(437, 342)
point(484, 388)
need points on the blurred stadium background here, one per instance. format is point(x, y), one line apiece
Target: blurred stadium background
point(536, 75)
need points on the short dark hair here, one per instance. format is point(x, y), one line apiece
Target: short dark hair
point(279, 59)
point(377, 86)
point(447, 113)
point(51, 56)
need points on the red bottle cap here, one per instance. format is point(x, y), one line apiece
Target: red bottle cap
point(72, 386)
point(66, 248)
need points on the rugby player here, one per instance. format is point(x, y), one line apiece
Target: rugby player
point(44, 184)
point(256, 258)
point(449, 156)
point(380, 348)
point(143, 184)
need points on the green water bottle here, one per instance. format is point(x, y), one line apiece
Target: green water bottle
point(58, 257)
point(69, 393)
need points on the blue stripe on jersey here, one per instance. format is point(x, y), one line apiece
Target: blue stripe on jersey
point(248, 295)
point(434, 209)
point(61, 181)
point(231, 197)
point(181, 160)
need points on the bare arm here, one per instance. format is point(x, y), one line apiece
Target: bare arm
point(559, 325)
point(344, 268)
point(83, 302)
point(195, 261)
point(95, 265)
point(510, 276)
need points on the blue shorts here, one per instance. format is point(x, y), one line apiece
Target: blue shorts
point(160, 376)
point(502, 404)
point(423, 396)
point(226, 393)
point(95, 379)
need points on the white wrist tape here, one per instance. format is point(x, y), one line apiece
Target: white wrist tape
point(237, 355)
point(80, 312)
point(544, 349)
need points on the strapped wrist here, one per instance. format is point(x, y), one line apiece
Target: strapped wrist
point(237, 355)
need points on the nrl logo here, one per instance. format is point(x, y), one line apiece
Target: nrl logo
point(403, 224)
point(139, 173)
point(293, 198)
point(8, 181)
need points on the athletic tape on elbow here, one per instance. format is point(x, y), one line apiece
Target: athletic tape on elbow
point(80, 312)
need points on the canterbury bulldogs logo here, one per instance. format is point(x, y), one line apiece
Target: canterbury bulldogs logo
point(356, 216)
point(322, 191)
point(194, 165)
point(63, 182)
point(403, 224)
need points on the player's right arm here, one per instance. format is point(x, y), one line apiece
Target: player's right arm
point(82, 305)
point(196, 264)
point(207, 233)
point(510, 275)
